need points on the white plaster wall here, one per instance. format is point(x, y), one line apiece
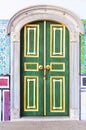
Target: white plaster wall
point(9, 7)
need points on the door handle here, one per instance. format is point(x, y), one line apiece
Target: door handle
point(41, 67)
point(48, 67)
point(44, 70)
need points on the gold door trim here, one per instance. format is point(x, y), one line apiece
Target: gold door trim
point(31, 64)
point(54, 88)
point(61, 53)
point(57, 64)
point(35, 106)
point(44, 67)
point(34, 87)
point(60, 79)
point(35, 53)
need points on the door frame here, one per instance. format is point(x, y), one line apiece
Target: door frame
point(75, 27)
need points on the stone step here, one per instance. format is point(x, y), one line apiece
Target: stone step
point(43, 125)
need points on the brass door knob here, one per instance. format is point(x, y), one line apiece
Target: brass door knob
point(40, 67)
point(48, 67)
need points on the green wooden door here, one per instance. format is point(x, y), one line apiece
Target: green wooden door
point(44, 69)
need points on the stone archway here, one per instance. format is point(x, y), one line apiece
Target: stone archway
point(45, 12)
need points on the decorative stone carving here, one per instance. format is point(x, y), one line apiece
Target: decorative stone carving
point(14, 113)
point(45, 12)
point(74, 37)
point(15, 37)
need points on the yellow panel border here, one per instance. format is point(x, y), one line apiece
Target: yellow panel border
point(30, 25)
point(25, 103)
point(30, 63)
point(57, 63)
point(63, 48)
point(51, 94)
point(34, 106)
point(60, 107)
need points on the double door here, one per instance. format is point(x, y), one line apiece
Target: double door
point(44, 69)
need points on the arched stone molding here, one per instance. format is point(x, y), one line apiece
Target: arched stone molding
point(75, 26)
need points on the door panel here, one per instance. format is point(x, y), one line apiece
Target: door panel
point(57, 40)
point(58, 75)
point(31, 78)
point(44, 69)
point(31, 43)
point(31, 93)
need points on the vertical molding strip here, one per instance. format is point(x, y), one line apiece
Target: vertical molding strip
point(44, 67)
